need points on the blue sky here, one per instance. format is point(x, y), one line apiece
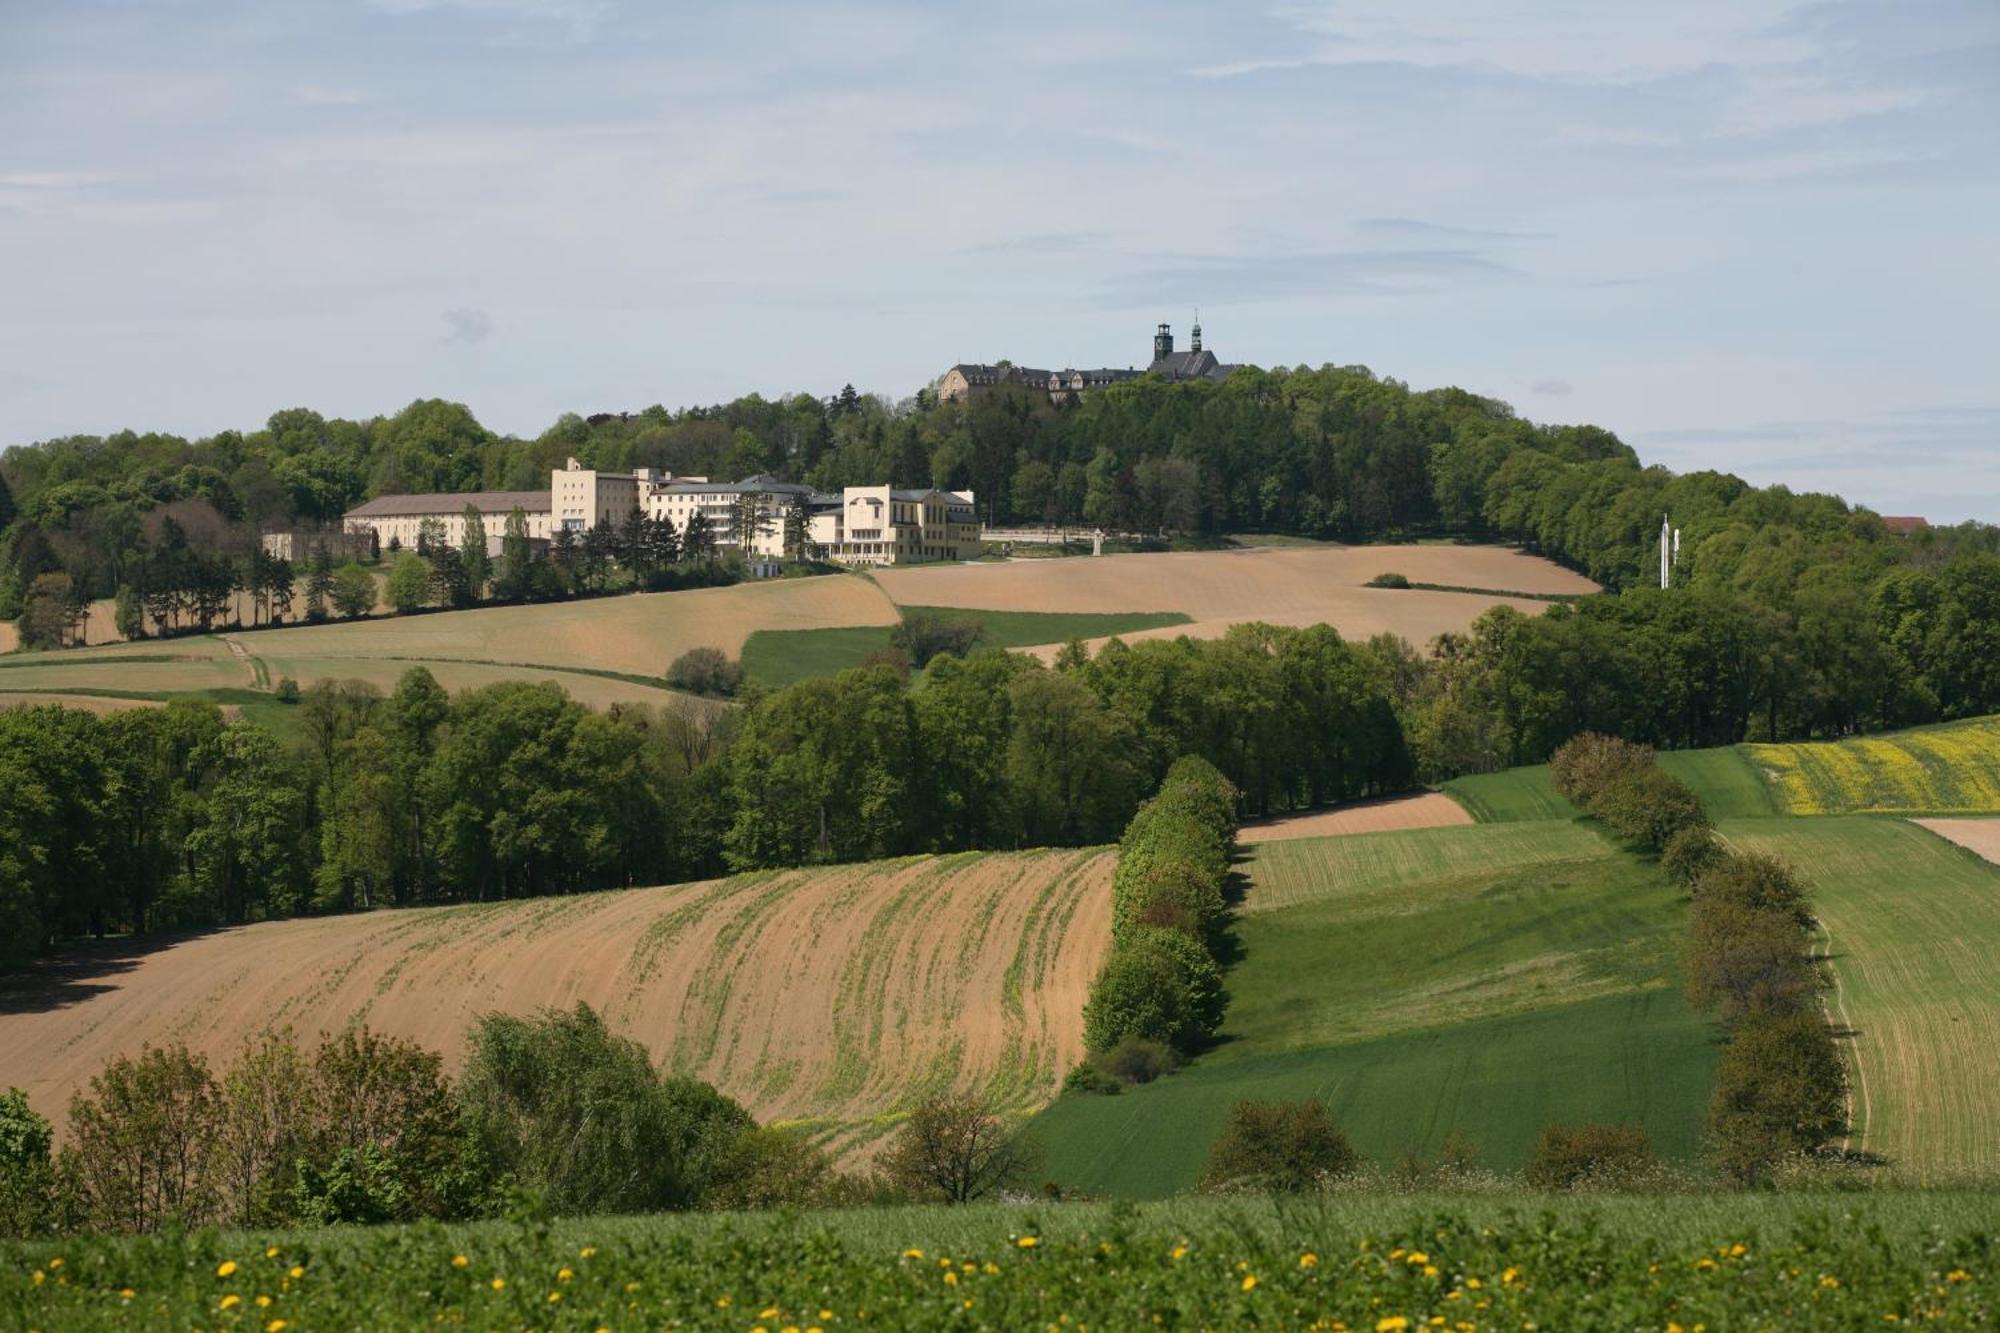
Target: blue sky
point(1753, 235)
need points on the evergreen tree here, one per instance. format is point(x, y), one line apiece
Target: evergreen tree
point(515, 553)
point(798, 529)
point(472, 554)
point(697, 543)
point(319, 583)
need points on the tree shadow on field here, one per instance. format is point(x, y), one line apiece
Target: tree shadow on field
point(82, 972)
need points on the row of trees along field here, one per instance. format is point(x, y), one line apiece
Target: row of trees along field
point(172, 817)
point(1809, 616)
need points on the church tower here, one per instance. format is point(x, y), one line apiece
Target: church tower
point(1163, 343)
point(1195, 345)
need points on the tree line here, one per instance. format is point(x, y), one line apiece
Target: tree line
point(174, 817)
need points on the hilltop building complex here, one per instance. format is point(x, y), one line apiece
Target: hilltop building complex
point(862, 525)
point(967, 380)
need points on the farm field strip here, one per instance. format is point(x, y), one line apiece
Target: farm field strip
point(1387, 814)
point(1929, 770)
point(1478, 980)
point(828, 996)
point(1981, 837)
point(1914, 924)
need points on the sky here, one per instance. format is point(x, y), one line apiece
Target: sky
point(1752, 235)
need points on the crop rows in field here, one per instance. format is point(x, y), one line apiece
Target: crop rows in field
point(830, 996)
point(1931, 770)
point(1912, 928)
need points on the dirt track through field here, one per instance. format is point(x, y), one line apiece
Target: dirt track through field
point(1279, 585)
point(1424, 810)
point(1979, 836)
point(832, 996)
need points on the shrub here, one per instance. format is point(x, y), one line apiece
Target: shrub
point(1136, 1060)
point(287, 691)
point(1648, 807)
point(772, 1168)
point(142, 1137)
point(26, 1174)
point(1568, 1157)
point(1089, 1079)
point(1171, 892)
point(1745, 961)
point(1690, 853)
point(1278, 1147)
point(926, 634)
point(382, 1095)
point(353, 591)
point(1586, 765)
point(956, 1149)
point(263, 1131)
point(1389, 580)
point(1757, 881)
point(1159, 985)
point(1780, 1092)
point(706, 671)
point(409, 584)
point(1195, 776)
point(580, 1116)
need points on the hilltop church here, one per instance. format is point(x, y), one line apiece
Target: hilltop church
point(965, 381)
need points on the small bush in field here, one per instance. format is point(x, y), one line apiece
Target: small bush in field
point(1584, 766)
point(1389, 580)
point(1581, 1156)
point(1691, 853)
point(1278, 1148)
point(706, 671)
point(1649, 807)
point(1136, 1060)
point(1088, 1078)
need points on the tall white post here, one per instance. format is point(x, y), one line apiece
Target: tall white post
point(1666, 551)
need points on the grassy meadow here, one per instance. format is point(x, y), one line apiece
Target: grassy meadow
point(1367, 1261)
point(1912, 928)
point(1474, 981)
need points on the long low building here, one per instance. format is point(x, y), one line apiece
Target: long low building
point(862, 525)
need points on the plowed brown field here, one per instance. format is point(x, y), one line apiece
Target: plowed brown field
point(1979, 836)
point(1425, 810)
point(832, 996)
point(1280, 585)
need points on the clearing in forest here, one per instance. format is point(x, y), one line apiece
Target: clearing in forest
point(1480, 981)
point(1911, 925)
point(833, 996)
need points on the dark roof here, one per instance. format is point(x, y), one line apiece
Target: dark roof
point(450, 502)
point(758, 485)
point(1188, 366)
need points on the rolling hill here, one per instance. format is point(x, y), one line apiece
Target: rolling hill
point(832, 997)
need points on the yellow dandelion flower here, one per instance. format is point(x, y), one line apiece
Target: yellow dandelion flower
point(263, 1301)
point(990, 1269)
point(554, 1296)
point(828, 1314)
point(1891, 1317)
point(1829, 1281)
point(499, 1284)
point(1473, 1283)
point(275, 1326)
point(55, 1263)
point(1249, 1281)
point(564, 1274)
point(270, 1252)
point(1180, 1252)
point(40, 1277)
point(587, 1252)
point(1738, 1250)
point(459, 1261)
point(790, 1328)
point(913, 1254)
point(1393, 1323)
point(1958, 1275)
point(1417, 1258)
point(225, 1268)
point(127, 1293)
point(1308, 1260)
point(951, 1278)
point(1430, 1270)
point(1703, 1264)
point(631, 1287)
point(1028, 1242)
point(1510, 1275)
point(231, 1301)
point(768, 1313)
point(722, 1302)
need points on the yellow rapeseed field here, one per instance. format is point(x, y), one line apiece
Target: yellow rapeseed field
point(1935, 770)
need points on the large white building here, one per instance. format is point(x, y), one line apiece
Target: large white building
point(863, 525)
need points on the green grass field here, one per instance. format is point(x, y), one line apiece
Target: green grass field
point(1365, 1261)
point(1912, 924)
point(1510, 795)
point(1477, 980)
point(1728, 783)
point(776, 658)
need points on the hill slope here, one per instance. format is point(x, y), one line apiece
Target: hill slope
point(833, 996)
point(1478, 980)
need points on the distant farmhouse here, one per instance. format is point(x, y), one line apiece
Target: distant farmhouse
point(965, 381)
point(863, 525)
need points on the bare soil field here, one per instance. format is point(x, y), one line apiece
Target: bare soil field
point(641, 633)
point(1979, 836)
point(1424, 810)
point(1279, 585)
point(383, 673)
point(832, 996)
point(88, 703)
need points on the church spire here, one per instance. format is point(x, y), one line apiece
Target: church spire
point(1195, 346)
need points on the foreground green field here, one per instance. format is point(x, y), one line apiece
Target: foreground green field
point(1912, 927)
point(1383, 1262)
point(776, 658)
point(1474, 981)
